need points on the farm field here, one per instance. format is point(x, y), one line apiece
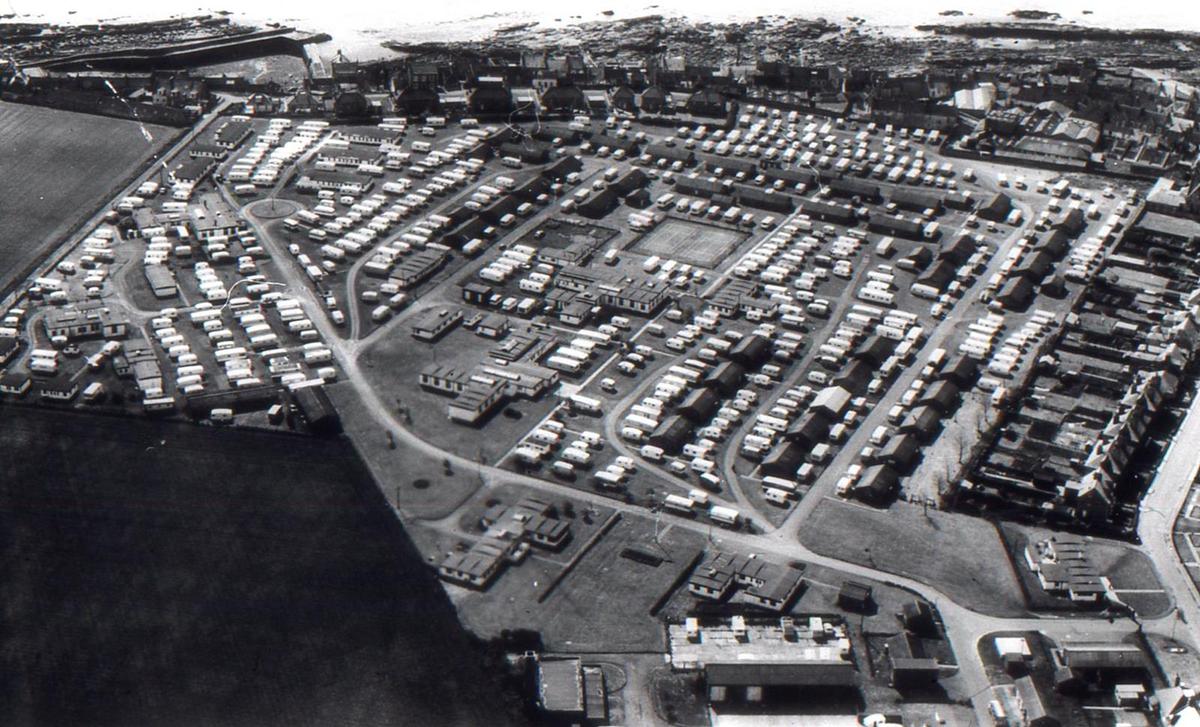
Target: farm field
point(166, 573)
point(59, 167)
point(689, 242)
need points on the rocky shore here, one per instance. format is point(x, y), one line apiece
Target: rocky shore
point(28, 41)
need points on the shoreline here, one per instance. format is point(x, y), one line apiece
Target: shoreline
point(372, 44)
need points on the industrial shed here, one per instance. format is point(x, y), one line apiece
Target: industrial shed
point(752, 351)
point(923, 421)
point(699, 406)
point(901, 452)
point(726, 377)
point(886, 224)
point(916, 200)
point(941, 395)
point(672, 434)
point(876, 484)
point(809, 430)
point(784, 459)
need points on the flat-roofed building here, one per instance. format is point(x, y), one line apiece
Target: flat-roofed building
point(475, 401)
point(433, 323)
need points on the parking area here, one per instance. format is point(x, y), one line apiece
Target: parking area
point(172, 302)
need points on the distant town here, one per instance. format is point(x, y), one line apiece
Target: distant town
point(738, 383)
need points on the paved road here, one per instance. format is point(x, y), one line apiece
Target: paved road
point(94, 221)
point(963, 626)
point(1160, 506)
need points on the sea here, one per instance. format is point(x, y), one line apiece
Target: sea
point(358, 27)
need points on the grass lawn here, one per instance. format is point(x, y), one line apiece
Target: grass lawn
point(59, 167)
point(392, 365)
point(419, 485)
point(960, 555)
point(690, 242)
point(164, 573)
point(1127, 569)
point(603, 606)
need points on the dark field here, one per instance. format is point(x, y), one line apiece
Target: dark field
point(58, 167)
point(160, 573)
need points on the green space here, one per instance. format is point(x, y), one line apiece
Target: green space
point(602, 606)
point(959, 555)
point(419, 486)
point(1126, 568)
point(165, 573)
point(59, 168)
point(392, 364)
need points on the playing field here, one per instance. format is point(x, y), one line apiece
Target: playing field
point(689, 242)
point(159, 573)
point(56, 169)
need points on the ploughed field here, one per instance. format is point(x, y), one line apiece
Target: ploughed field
point(56, 169)
point(166, 573)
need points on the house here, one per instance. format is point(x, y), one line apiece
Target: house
point(161, 280)
point(564, 100)
point(509, 531)
point(941, 395)
point(726, 377)
point(895, 225)
point(752, 351)
point(623, 98)
point(193, 170)
point(490, 97)
point(672, 433)
point(900, 452)
point(923, 421)
point(230, 134)
point(784, 459)
point(995, 207)
point(654, 100)
point(699, 406)
point(708, 102)
point(476, 567)
point(444, 379)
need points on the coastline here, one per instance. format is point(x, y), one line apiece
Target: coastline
point(356, 30)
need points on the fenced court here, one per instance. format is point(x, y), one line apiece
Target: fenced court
point(690, 242)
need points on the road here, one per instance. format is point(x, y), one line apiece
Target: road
point(95, 220)
point(964, 627)
point(1160, 506)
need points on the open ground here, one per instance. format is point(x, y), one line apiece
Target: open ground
point(59, 167)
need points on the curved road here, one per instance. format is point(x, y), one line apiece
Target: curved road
point(964, 627)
